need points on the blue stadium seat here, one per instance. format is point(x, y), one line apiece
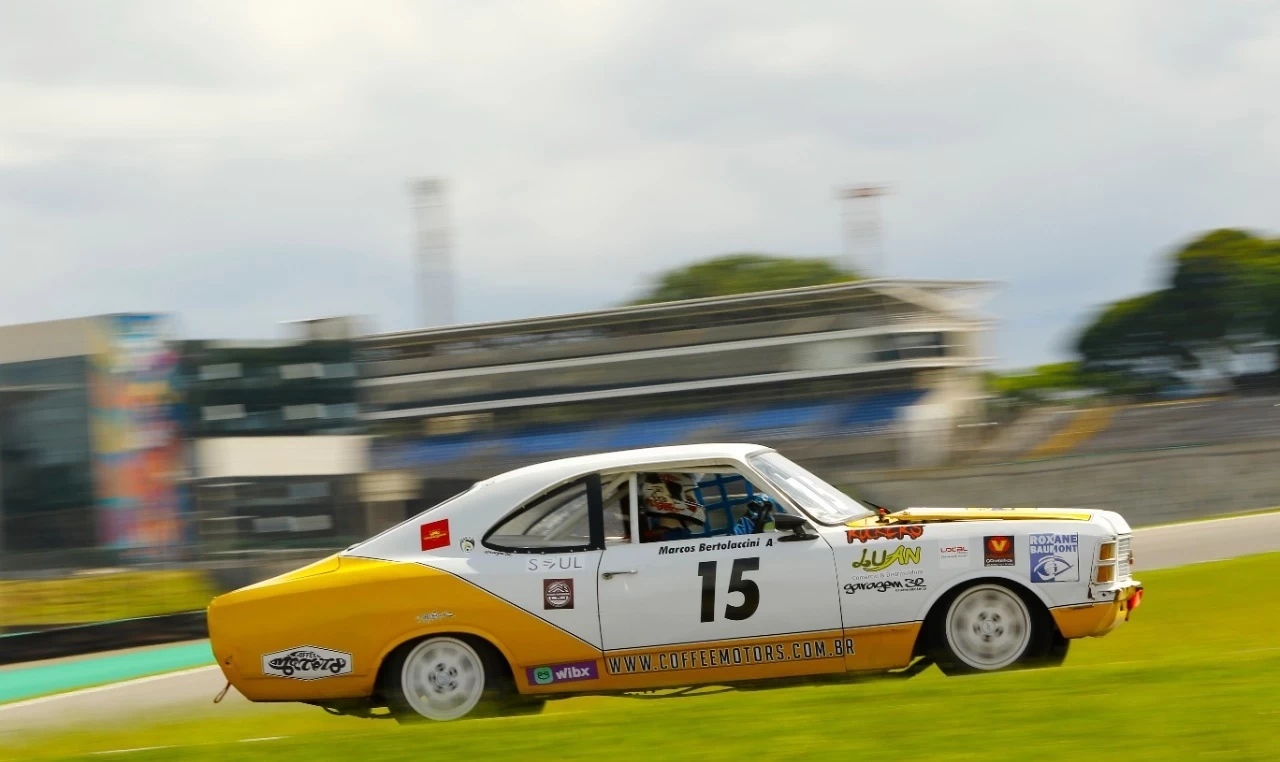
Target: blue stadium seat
point(546, 440)
point(864, 414)
point(879, 410)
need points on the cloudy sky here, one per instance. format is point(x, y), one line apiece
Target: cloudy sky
point(247, 163)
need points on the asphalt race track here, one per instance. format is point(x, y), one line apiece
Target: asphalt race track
point(189, 693)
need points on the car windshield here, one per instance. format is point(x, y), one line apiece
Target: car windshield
point(824, 502)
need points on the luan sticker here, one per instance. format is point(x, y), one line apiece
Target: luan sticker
point(879, 560)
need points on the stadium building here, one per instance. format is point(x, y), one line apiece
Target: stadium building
point(879, 372)
point(275, 439)
point(300, 385)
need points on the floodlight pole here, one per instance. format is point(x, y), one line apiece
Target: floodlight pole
point(862, 229)
point(434, 260)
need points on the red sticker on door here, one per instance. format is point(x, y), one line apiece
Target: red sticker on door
point(435, 534)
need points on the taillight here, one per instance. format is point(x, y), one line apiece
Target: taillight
point(1106, 564)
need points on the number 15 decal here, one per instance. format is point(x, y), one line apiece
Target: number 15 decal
point(750, 591)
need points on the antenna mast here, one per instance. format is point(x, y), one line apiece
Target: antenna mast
point(434, 259)
point(863, 231)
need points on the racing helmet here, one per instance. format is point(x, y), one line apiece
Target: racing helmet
point(671, 496)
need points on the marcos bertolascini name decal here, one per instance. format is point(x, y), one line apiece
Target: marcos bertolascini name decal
point(306, 663)
point(703, 547)
point(716, 656)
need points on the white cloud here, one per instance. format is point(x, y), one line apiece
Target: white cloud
point(247, 163)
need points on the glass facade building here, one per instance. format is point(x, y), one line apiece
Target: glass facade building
point(46, 455)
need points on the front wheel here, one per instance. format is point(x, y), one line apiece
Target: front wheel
point(984, 628)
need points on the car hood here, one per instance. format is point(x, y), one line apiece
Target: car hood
point(930, 515)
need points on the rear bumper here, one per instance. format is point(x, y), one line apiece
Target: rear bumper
point(1097, 619)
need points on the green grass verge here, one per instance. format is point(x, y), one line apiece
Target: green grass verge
point(1195, 674)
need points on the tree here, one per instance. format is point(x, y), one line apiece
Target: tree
point(1223, 296)
point(742, 274)
point(1058, 376)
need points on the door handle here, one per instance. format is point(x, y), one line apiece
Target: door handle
point(612, 574)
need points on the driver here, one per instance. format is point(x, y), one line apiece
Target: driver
point(670, 507)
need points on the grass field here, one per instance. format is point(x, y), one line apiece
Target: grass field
point(1195, 674)
point(102, 597)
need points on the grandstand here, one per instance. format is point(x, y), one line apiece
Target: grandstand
point(1188, 423)
point(890, 363)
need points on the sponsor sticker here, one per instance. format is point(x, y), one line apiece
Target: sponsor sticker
point(732, 654)
point(467, 544)
point(904, 585)
point(563, 673)
point(953, 555)
point(557, 593)
point(1055, 557)
point(435, 534)
point(554, 563)
point(879, 560)
point(997, 550)
point(910, 532)
point(306, 663)
point(434, 616)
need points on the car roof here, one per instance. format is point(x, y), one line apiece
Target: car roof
point(555, 470)
point(476, 509)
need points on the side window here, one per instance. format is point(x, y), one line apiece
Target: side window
point(685, 505)
point(616, 498)
point(557, 521)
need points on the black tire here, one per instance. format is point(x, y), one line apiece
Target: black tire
point(989, 626)
point(1055, 654)
point(477, 666)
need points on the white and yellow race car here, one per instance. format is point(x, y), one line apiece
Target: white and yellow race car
point(666, 567)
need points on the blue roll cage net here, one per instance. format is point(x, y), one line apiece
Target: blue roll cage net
point(719, 485)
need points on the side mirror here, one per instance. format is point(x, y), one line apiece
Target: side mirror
point(799, 528)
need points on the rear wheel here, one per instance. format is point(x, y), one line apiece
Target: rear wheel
point(450, 677)
point(441, 678)
point(984, 628)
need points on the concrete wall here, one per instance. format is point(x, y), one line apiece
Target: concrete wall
point(47, 340)
point(231, 457)
point(1146, 487)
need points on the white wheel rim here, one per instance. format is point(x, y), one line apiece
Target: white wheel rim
point(442, 678)
point(988, 627)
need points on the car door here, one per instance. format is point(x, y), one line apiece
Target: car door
point(718, 590)
point(544, 556)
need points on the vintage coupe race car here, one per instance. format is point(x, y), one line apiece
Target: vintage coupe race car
point(664, 567)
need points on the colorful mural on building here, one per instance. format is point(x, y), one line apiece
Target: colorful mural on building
point(136, 437)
